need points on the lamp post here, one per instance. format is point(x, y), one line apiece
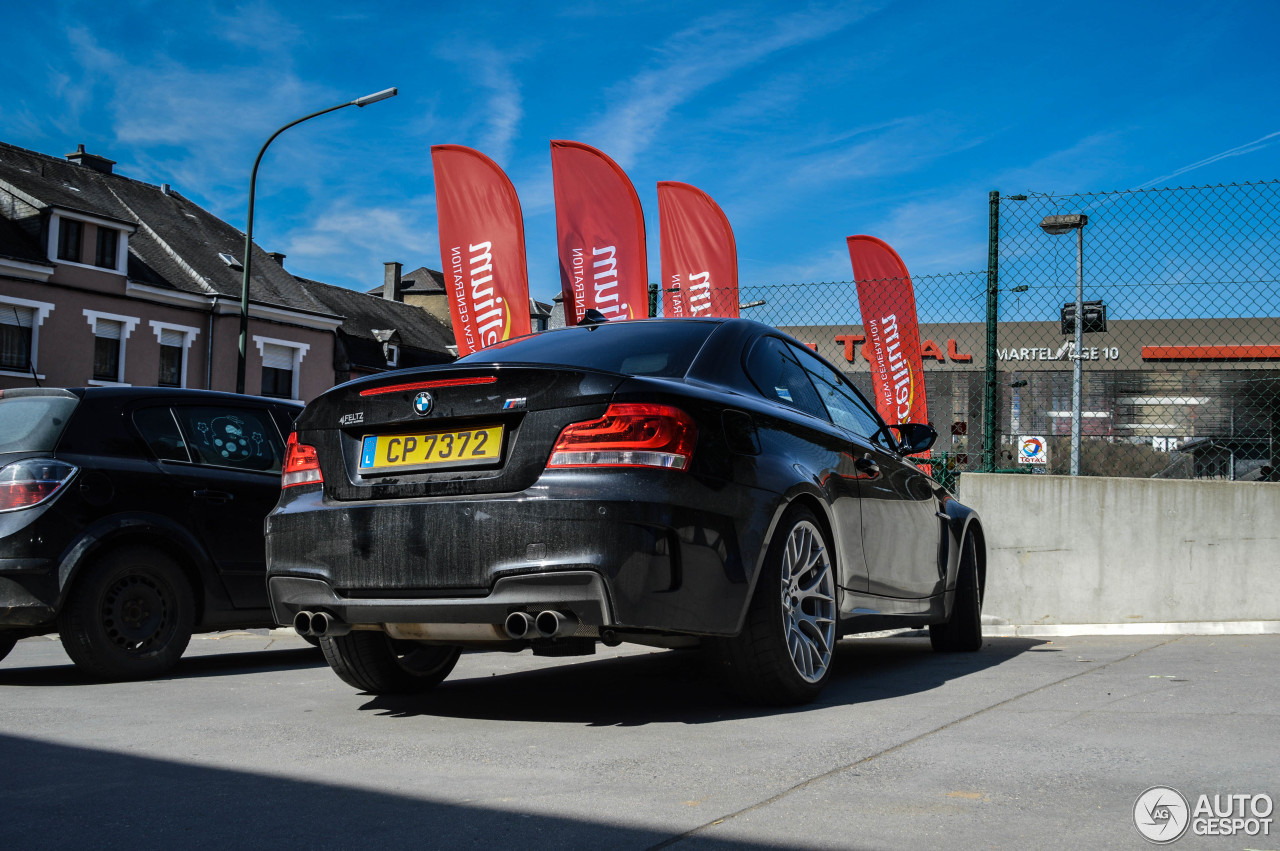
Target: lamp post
point(247, 260)
point(1056, 226)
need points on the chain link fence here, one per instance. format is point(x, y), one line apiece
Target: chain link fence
point(1180, 355)
point(1180, 362)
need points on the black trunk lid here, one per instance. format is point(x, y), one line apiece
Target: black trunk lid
point(522, 407)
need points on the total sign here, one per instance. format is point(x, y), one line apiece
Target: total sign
point(1033, 450)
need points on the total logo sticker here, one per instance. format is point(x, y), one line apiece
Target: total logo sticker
point(1033, 450)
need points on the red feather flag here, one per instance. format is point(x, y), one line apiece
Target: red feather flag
point(600, 232)
point(889, 321)
point(481, 248)
point(699, 255)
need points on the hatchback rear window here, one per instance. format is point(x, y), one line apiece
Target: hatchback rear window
point(33, 423)
point(663, 349)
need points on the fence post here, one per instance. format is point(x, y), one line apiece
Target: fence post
point(989, 398)
point(653, 300)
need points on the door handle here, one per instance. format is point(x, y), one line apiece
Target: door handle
point(215, 497)
point(867, 464)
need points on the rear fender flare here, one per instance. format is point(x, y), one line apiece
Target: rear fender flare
point(145, 530)
point(961, 521)
point(803, 493)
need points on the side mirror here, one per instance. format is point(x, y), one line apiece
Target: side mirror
point(914, 438)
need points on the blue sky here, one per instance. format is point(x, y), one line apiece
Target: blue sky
point(806, 122)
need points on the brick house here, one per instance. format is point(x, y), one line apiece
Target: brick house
point(109, 280)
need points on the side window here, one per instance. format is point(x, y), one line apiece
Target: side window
point(160, 432)
point(240, 438)
point(847, 409)
point(777, 375)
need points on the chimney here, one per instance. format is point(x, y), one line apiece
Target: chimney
point(391, 281)
point(277, 256)
point(91, 161)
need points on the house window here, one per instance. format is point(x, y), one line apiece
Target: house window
point(16, 324)
point(108, 242)
point(20, 322)
point(70, 233)
point(281, 363)
point(174, 340)
point(106, 349)
point(171, 353)
point(110, 333)
point(393, 354)
point(277, 371)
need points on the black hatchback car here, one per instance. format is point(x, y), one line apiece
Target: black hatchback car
point(131, 517)
point(665, 482)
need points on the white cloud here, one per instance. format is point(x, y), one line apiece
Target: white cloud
point(256, 25)
point(335, 246)
point(498, 119)
point(504, 107)
point(934, 235)
point(196, 128)
point(1237, 151)
point(711, 50)
point(1075, 168)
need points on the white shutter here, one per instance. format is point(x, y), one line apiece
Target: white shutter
point(169, 337)
point(108, 329)
point(12, 314)
point(277, 357)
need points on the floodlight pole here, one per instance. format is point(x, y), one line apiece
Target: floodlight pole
point(247, 259)
point(1056, 226)
point(1077, 376)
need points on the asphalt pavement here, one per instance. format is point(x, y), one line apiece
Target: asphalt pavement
point(253, 742)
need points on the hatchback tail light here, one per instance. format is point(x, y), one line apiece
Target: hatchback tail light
point(629, 436)
point(301, 466)
point(31, 481)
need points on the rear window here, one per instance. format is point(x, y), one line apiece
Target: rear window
point(33, 423)
point(663, 349)
point(231, 437)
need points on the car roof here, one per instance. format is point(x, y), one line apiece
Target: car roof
point(183, 393)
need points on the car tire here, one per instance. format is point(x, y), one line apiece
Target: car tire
point(7, 643)
point(129, 615)
point(373, 662)
point(962, 632)
point(784, 654)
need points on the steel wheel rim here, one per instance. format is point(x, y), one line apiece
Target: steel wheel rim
point(808, 602)
point(136, 613)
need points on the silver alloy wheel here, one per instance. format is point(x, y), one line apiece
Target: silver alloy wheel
point(808, 601)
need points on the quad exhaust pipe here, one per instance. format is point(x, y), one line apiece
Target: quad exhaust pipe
point(523, 626)
point(519, 625)
point(319, 625)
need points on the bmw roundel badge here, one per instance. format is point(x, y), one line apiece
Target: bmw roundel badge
point(423, 403)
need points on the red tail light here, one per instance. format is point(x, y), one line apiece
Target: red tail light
point(629, 436)
point(301, 466)
point(31, 481)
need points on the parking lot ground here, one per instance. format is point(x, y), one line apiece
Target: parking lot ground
point(253, 742)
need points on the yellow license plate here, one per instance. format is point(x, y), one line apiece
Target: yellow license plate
point(433, 449)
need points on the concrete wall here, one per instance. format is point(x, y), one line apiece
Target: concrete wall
point(1127, 551)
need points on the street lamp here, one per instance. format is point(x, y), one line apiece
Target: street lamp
point(248, 235)
point(1057, 226)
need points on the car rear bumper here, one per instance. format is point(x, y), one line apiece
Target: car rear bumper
point(681, 565)
point(579, 592)
point(20, 607)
